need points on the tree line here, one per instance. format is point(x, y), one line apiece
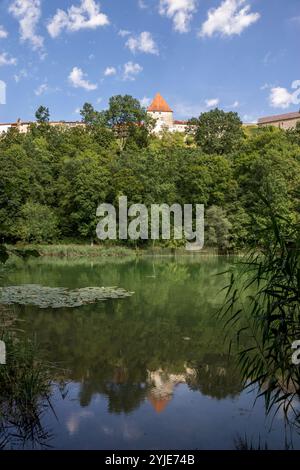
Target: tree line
point(52, 179)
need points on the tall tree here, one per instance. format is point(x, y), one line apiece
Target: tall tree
point(42, 114)
point(91, 116)
point(125, 114)
point(218, 132)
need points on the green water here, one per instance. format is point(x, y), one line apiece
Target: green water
point(149, 371)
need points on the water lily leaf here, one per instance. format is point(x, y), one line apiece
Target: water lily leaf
point(58, 297)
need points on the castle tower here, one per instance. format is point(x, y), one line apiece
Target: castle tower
point(162, 113)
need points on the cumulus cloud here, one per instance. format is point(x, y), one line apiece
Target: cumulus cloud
point(180, 11)
point(282, 98)
point(3, 32)
point(28, 13)
point(5, 59)
point(231, 17)
point(212, 102)
point(41, 89)
point(78, 80)
point(109, 71)
point(142, 43)
point(85, 16)
point(131, 70)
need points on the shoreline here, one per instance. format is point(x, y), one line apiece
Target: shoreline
point(97, 251)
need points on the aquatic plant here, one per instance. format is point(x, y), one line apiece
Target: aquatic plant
point(262, 306)
point(58, 297)
point(25, 389)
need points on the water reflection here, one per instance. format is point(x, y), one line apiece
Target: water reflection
point(150, 371)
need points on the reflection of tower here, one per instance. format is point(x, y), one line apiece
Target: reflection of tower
point(163, 385)
point(159, 404)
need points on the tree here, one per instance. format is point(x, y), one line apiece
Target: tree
point(38, 223)
point(42, 114)
point(92, 117)
point(125, 113)
point(217, 228)
point(218, 132)
point(294, 134)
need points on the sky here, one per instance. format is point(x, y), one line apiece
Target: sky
point(238, 55)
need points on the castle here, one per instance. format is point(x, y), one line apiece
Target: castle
point(283, 121)
point(161, 112)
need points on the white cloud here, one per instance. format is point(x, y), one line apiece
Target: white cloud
point(3, 33)
point(99, 100)
point(78, 80)
point(235, 104)
point(109, 71)
point(5, 59)
point(85, 16)
point(131, 70)
point(281, 98)
point(28, 13)
point(123, 33)
point(41, 89)
point(145, 102)
point(142, 43)
point(180, 11)
point(212, 102)
point(231, 17)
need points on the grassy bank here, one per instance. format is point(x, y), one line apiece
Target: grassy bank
point(77, 251)
point(74, 250)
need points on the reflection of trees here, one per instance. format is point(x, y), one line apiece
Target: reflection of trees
point(111, 347)
point(217, 377)
point(123, 391)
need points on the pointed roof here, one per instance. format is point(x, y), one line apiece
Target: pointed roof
point(159, 104)
point(159, 404)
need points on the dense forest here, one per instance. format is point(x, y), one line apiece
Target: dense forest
point(52, 179)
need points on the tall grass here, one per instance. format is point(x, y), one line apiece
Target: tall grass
point(25, 389)
point(262, 307)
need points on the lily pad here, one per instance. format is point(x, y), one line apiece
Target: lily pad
point(58, 297)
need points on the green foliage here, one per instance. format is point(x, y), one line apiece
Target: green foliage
point(52, 179)
point(128, 120)
point(91, 117)
point(217, 228)
point(42, 114)
point(218, 132)
point(37, 223)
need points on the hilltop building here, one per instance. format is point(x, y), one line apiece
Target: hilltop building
point(283, 121)
point(23, 126)
point(163, 115)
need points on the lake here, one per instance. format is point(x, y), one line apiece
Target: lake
point(146, 372)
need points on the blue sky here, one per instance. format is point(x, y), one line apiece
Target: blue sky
point(241, 55)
